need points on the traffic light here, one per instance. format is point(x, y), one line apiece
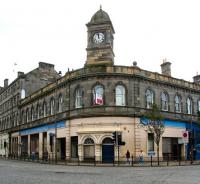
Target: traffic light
point(114, 136)
point(119, 139)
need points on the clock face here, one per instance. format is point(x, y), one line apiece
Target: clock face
point(98, 38)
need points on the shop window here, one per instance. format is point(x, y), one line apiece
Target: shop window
point(74, 146)
point(120, 95)
point(150, 142)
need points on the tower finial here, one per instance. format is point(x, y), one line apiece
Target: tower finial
point(100, 7)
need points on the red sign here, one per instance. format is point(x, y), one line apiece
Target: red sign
point(185, 136)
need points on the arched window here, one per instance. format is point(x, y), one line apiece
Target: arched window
point(107, 141)
point(98, 95)
point(177, 103)
point(38, 111)
point(60, 102)
point(120, 95)
point(17, 119)
point(22, 117)
point(78, 98)
point(89, 152)
point(198, 105)
point(23, 94)
point(164, 101)
point(32, 113)
point(27, 115)
point(44, 109)
point(52, 104)
point(189, 105)
point(149, 98)
point(89, 141)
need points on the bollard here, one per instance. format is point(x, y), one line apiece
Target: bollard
point(132, 160)
point(167, 160)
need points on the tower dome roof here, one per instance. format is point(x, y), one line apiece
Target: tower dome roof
point(99, 17)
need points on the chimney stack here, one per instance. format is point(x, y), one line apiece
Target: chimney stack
point(166, 67)
point(20, 74)
point(5, 83)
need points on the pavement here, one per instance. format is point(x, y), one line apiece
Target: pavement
point(19, 172)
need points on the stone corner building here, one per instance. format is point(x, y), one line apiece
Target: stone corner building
point(75, 116)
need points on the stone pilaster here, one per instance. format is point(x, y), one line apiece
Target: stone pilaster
point(29, 145)
point(40, 145)
point(68, 140)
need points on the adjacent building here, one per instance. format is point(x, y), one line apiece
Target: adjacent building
point(75, 116)
point(11, 94)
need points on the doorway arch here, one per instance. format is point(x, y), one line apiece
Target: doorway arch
point(89, 149)
point(107, 150)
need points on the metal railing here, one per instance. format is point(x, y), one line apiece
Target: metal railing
point(108, 161)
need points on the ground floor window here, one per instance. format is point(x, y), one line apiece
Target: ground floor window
point(74, 147)
point(89, 151)
point(150, 142)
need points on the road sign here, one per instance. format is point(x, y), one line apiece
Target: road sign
point(185, 136)
point(151, 153)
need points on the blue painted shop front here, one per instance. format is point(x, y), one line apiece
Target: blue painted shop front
point(194, 135)
point(42, 128)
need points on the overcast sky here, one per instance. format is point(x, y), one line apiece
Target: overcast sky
point(54, 31)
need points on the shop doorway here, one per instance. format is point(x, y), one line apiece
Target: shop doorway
point(24, 145)
point(107, 150)
point(61, 148)
point(171, 148)
point(34, 145)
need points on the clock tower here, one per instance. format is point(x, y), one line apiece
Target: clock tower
point(100, 40)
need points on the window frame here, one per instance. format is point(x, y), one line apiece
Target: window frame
point(151, 94)
point(121, 95)
point(98, 91)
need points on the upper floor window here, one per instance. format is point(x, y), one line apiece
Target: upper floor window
point(98, 95)
point(120, 95)
point(149, 98)
point(189, 105)
point(32, 113)
point(52, 105)
point(44, 109)
point(60, 103)
point(164, 101)
point(38, 111)
point(23, 94)
point(198, 105)
point(78, 98)
point(27, 115)
point(177, 103)
point(22, 117)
